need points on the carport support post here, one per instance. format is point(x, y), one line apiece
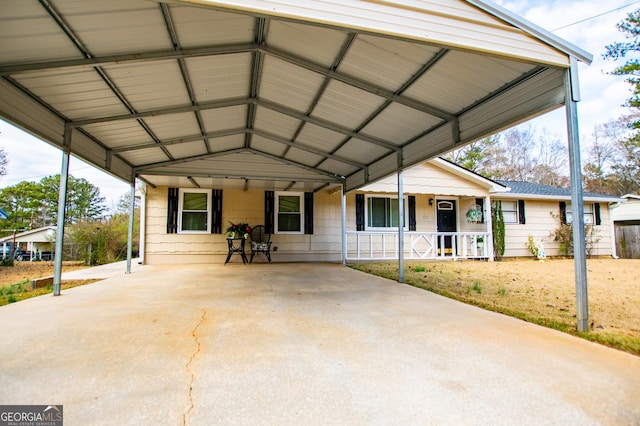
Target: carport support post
point(62, 203)
point(400, 221)
point(132, 206)
point(344, 223)
point(572, 96)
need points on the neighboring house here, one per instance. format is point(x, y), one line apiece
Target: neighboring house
point(626, 220)
point(538, 210)
point(34, 244)
point(446, 216)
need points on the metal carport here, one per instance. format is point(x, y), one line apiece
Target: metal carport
point(310, 94)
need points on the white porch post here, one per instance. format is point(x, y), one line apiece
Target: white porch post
point(400, 220)
point(132, 206)
point(572, 96)
point(344, 223)
point(62, 202)
point(488, 219)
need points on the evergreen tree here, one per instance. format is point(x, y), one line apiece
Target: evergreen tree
point(32, 205)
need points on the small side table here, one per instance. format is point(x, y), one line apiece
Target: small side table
point(236, 245)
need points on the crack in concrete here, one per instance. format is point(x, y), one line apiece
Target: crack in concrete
point(188, 366)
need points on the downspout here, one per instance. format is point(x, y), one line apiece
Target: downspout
point(572, 96)
point(62, 203)
point(612, 230)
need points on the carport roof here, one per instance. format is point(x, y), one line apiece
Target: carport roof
point(281, 95)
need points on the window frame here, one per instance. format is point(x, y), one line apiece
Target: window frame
point(181, 193)
point(516, 212)
point(587, 214)
point(276, 225)
point(405, 222)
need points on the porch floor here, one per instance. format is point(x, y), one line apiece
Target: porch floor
point(298, 343)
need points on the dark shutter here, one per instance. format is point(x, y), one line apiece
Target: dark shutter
point(308, 212)
point(216, 211)
point(269, 209)
point(563, 212)
point(172, 211)
point(521, 216)
point(359, 212)
point(480, 203)
point(412, 212)
point(596, 211)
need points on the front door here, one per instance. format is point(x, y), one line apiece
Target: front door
point(446, 217)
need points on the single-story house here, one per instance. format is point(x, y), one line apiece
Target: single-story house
point(446, 216)
point(626, 220)
point(536, 210)
point(34, 244)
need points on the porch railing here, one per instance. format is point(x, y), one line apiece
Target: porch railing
point(366, 245)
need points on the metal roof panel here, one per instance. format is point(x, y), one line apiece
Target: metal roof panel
point(346, 105)
point(150, 85)
point(173, 126)
point(385, 62)
point(187, 149)
point(316, 44)
point(197, 26)
point(77, 94)
point(116, 26)
point(224, 118)
point(220, 77)
point(320, 138)
point(119, 134)
point(398, 123)
point(29, 35)
point(275, 123)
point(286, 84)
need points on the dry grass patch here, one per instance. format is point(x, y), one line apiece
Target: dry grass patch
point(538, 292)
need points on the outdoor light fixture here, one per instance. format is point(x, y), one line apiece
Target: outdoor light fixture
point(430, 201)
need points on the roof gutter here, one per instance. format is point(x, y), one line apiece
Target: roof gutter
point(520, 196)
point(531, 28)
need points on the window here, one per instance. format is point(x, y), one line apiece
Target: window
point(383, 212)
point(194, 206)
point(289, 212)
point(588, 214)
point(510, 211)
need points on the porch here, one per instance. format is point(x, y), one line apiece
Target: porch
point(367, 245)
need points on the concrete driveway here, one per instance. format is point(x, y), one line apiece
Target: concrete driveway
point(298, 344)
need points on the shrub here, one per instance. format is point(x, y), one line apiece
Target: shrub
point(563, 235)
point(498, 230)
point(534, 249)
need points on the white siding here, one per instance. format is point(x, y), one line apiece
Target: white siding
point(627, 211)
point(428, 179)
point(242, 206)
point(542, 218)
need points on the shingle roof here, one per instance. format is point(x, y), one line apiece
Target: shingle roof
point(536, 189)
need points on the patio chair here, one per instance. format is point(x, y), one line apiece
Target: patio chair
point(260, 242)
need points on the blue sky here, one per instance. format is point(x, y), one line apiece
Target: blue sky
point(602, 94)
